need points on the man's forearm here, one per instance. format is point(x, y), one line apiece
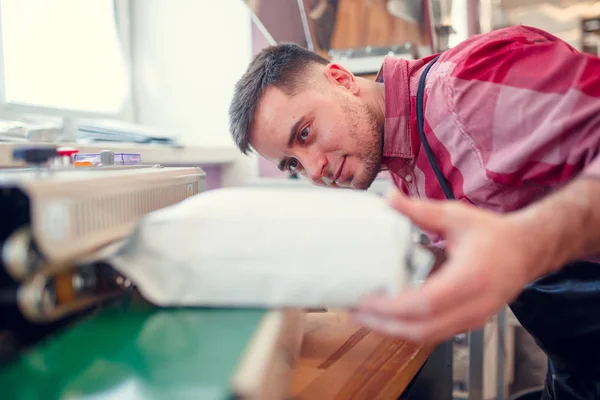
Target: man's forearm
point(565, 226)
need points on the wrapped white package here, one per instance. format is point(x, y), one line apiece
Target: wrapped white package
point(271, 247)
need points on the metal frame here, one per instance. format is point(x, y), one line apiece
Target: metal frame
point(500, 378)
point(435, 380)
point(476, 361)
point(124, 22)
point(475, 377)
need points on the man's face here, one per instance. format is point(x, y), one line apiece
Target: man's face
point(326, 132)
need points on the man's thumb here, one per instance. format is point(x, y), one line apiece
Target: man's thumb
point(428, 215)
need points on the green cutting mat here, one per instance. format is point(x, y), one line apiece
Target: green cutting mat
point(136, 352)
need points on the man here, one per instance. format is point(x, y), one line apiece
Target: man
point(512, 121)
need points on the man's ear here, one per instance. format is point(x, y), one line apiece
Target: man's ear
point(338, 75)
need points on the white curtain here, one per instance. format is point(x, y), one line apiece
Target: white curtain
point(63, 54)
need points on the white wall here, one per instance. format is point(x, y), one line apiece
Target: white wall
point(187, 55)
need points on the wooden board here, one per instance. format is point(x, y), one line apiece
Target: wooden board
point(359, 24)
point(266, 368)
point(339, 360)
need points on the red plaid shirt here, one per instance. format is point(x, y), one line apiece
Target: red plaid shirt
point(510, 116)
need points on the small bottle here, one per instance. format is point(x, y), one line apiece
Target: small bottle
point(65, 157)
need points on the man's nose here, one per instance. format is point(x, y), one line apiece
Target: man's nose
point(315, 167)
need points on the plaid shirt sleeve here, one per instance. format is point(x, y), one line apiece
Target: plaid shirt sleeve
point(529, 106)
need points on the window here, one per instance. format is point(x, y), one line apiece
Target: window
point(63, 54)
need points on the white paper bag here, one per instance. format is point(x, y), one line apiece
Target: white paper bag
point(271, 247)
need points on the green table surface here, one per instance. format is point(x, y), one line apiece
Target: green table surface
point(135, 352)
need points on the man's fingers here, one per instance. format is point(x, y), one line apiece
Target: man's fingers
point(442, 307)
point(447, 288)
point(456, 282)
point(433, 330)
point(428, 215)
point(409, 304)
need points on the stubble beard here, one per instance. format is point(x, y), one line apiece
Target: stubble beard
point(367, 131)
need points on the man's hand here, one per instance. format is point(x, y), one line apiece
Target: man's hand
point(491, 257)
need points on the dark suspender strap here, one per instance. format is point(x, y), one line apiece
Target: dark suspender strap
point(420, 123)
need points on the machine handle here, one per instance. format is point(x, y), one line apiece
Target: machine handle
point(35, 155)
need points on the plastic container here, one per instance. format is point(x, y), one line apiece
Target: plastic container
point(93, 159)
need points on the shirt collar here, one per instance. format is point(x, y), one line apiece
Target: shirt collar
point(397, 129)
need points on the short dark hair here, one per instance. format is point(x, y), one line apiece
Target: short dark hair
point(281, 66)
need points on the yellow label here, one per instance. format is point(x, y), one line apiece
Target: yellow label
point(190, 189)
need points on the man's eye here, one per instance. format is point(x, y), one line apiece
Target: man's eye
point(304, 133)
point(293, 165)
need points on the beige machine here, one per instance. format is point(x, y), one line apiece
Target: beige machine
point(73, 211)
point(63, 307)
point(55, 215)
